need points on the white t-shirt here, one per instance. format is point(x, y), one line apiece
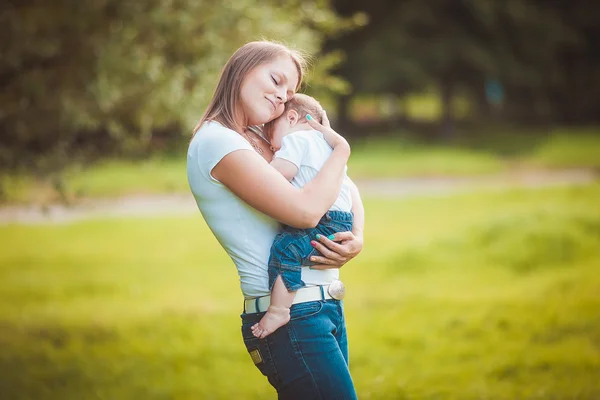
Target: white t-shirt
point(308, 151)
point(244, 233)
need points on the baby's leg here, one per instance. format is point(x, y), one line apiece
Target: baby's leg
point(278, 313)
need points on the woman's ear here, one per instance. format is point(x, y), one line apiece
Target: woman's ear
point(292, 117)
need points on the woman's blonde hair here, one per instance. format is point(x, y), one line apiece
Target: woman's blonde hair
point(245, 59)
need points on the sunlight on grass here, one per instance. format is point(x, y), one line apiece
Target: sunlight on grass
point(114, 177)
point(371, 158)
point(17, 188)
point(490, 295)
point(392, 159)
point(109, 178)
point(564, 150)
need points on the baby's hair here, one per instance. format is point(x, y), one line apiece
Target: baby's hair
point(303, 105)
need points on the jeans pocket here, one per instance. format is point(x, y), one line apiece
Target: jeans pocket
point(305, 310)
point(259, 352)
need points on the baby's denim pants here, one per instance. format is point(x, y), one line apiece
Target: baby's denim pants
point(291, 249)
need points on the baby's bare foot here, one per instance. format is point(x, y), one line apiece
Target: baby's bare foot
point(275, 318)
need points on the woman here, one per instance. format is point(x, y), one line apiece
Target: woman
point(242, 198)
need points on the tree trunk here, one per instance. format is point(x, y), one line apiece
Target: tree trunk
point(343, 113)
point(447, 123)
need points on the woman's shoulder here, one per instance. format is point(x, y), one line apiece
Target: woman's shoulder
point(212, 134)
point(213, 129)
point(214, 141)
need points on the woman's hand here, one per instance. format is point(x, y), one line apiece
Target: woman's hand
point(334, 139)
point(337, 252)
point(326, 122)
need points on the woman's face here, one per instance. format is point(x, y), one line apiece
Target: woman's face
point(266, 88)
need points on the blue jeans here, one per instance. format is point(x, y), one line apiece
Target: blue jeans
point(308, 357)
point(291, 248)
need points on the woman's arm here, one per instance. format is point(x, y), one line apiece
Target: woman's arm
point(345, 245)
point(358, 226)
point(254, 181)
point(286, 168)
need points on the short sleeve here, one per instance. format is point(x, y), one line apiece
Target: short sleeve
point(213, 142)
point(293, 149)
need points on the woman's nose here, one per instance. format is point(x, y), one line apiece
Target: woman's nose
point(281, 96)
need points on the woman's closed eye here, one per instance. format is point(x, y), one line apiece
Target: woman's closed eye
point(279, 81)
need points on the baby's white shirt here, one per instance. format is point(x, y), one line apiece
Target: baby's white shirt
point(308, 151)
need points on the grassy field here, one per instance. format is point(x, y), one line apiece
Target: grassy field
point(486, 153)
point(479, 296)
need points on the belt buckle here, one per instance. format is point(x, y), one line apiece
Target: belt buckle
point(337, 290)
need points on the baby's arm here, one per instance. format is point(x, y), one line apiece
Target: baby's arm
point(287, 168)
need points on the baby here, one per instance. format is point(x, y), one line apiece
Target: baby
point(300, 152)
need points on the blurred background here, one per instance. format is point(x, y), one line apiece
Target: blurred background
point(475, 128)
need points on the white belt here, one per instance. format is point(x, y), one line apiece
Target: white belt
point(309, 293)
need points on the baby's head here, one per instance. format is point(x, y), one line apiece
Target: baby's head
point(293, 118)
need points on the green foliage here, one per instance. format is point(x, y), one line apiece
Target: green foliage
point(541, 53)
point(148, 308)
point(75, 75)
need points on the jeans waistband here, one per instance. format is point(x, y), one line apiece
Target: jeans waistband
point(341, 216)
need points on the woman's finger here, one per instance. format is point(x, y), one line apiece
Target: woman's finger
point(331, 244)
point(326, 120)
point(325, 266)
point(314, 124)
point(324, 261)
point(325, 252)
point(343, 236)
point(330, 136)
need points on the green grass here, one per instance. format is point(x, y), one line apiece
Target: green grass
point(487, 153)
point(109, 178)
point(114, 178)
point(564, 151)
point(479, 296)
point(386, 158)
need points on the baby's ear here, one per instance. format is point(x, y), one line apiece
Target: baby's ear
point(292, 117)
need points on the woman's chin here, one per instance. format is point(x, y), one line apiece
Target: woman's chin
point(258, 119)
point(262, 119)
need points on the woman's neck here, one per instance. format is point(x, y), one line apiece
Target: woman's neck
point(259, 143)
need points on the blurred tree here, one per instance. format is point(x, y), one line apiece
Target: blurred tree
point(571, 86)
point(109, 74)
point(545, 54)
point(411, 45)
point(527, 38)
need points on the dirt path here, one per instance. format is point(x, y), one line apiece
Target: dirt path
point(178, 204)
